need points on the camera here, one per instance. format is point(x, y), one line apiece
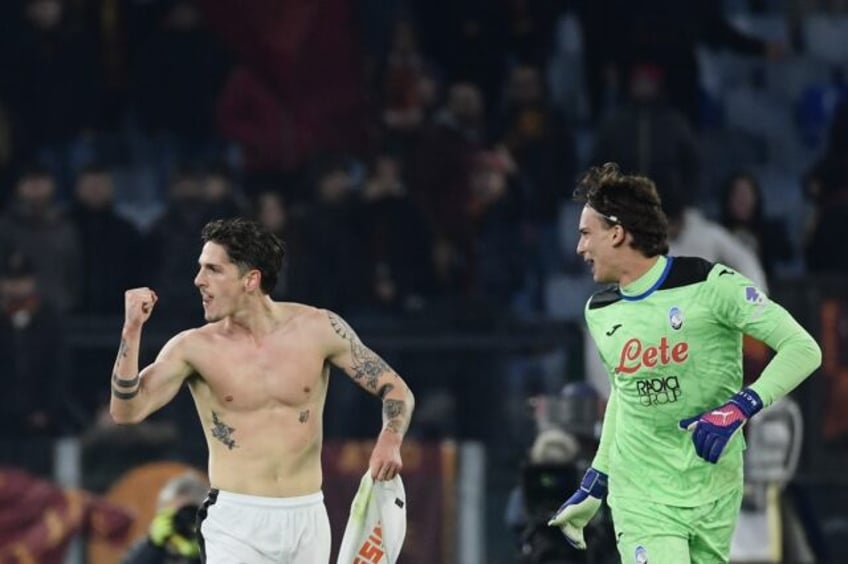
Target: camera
point(185, 521)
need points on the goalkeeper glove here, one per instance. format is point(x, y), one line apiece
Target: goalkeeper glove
point(579, 509)
point(712, 430)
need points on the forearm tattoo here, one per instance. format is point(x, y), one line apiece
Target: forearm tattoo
point(123, 389)
point(130, 387)
point(223, 432)
point(394, 415)
point(367, 365)
point(384, 390)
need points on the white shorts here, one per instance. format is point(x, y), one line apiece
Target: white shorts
point(247, 529)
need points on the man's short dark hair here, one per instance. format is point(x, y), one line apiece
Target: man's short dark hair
point(33, 171)
point(249, 245)
point(94, 168)
point(16, 265)
point(630, 201)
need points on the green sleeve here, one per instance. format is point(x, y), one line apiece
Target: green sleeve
point(602, 455)
point(601, 461)
point(740, 304)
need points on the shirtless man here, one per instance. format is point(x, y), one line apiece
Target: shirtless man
point(258, 371)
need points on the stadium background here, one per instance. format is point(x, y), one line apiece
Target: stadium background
point(418, 158)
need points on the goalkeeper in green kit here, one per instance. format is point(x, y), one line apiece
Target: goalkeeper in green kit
point(669, 331)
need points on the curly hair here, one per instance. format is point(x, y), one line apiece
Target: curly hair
point(630, 201)
point(249, 246)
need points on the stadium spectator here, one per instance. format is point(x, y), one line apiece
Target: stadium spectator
point(398, 242)
point(55, 94)
point(110, 244)
point(273, 211)
point(221, 193)
point(298, 89)
point(664, 33)
point(440, 175)
point(465, 39)
point(499, 260)
point(743, 215)
point(171, 245)
point(403, 102)
point(331, 247)
point(648, 136)
point(542, 145)
point(178, 72)
point(31, 354)
point(690, 233)
point(35, 225)
point(826, 185)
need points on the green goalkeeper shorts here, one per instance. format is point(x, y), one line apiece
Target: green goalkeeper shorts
point(653, 533)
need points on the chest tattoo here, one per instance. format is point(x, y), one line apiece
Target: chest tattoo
point(223, 432)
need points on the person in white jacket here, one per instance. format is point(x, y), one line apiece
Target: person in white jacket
point(692, 234)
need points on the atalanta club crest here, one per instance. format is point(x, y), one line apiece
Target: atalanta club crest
point(675, 318)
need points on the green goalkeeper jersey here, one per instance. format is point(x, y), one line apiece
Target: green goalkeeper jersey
point(672, 344)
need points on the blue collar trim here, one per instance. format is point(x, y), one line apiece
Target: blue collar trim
point(654, 287)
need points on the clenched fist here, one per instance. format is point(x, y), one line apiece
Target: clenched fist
point(138, 305)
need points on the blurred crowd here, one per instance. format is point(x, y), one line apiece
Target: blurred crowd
point(416, 157)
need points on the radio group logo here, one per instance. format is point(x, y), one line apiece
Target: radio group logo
point(658, 391)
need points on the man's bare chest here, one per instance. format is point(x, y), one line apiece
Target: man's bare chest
point(240, 377)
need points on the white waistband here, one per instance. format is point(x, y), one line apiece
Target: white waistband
point(267, 501)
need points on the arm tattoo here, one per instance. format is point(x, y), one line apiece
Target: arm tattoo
point(223, 432)
point(118, 383)
point(393, 408)
point(122, 349)
point(121, 383)
point(124, 395)
point(120, 386)
point(367, 365)
point(341, 327)
point(384, 390)
point(394, 412)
